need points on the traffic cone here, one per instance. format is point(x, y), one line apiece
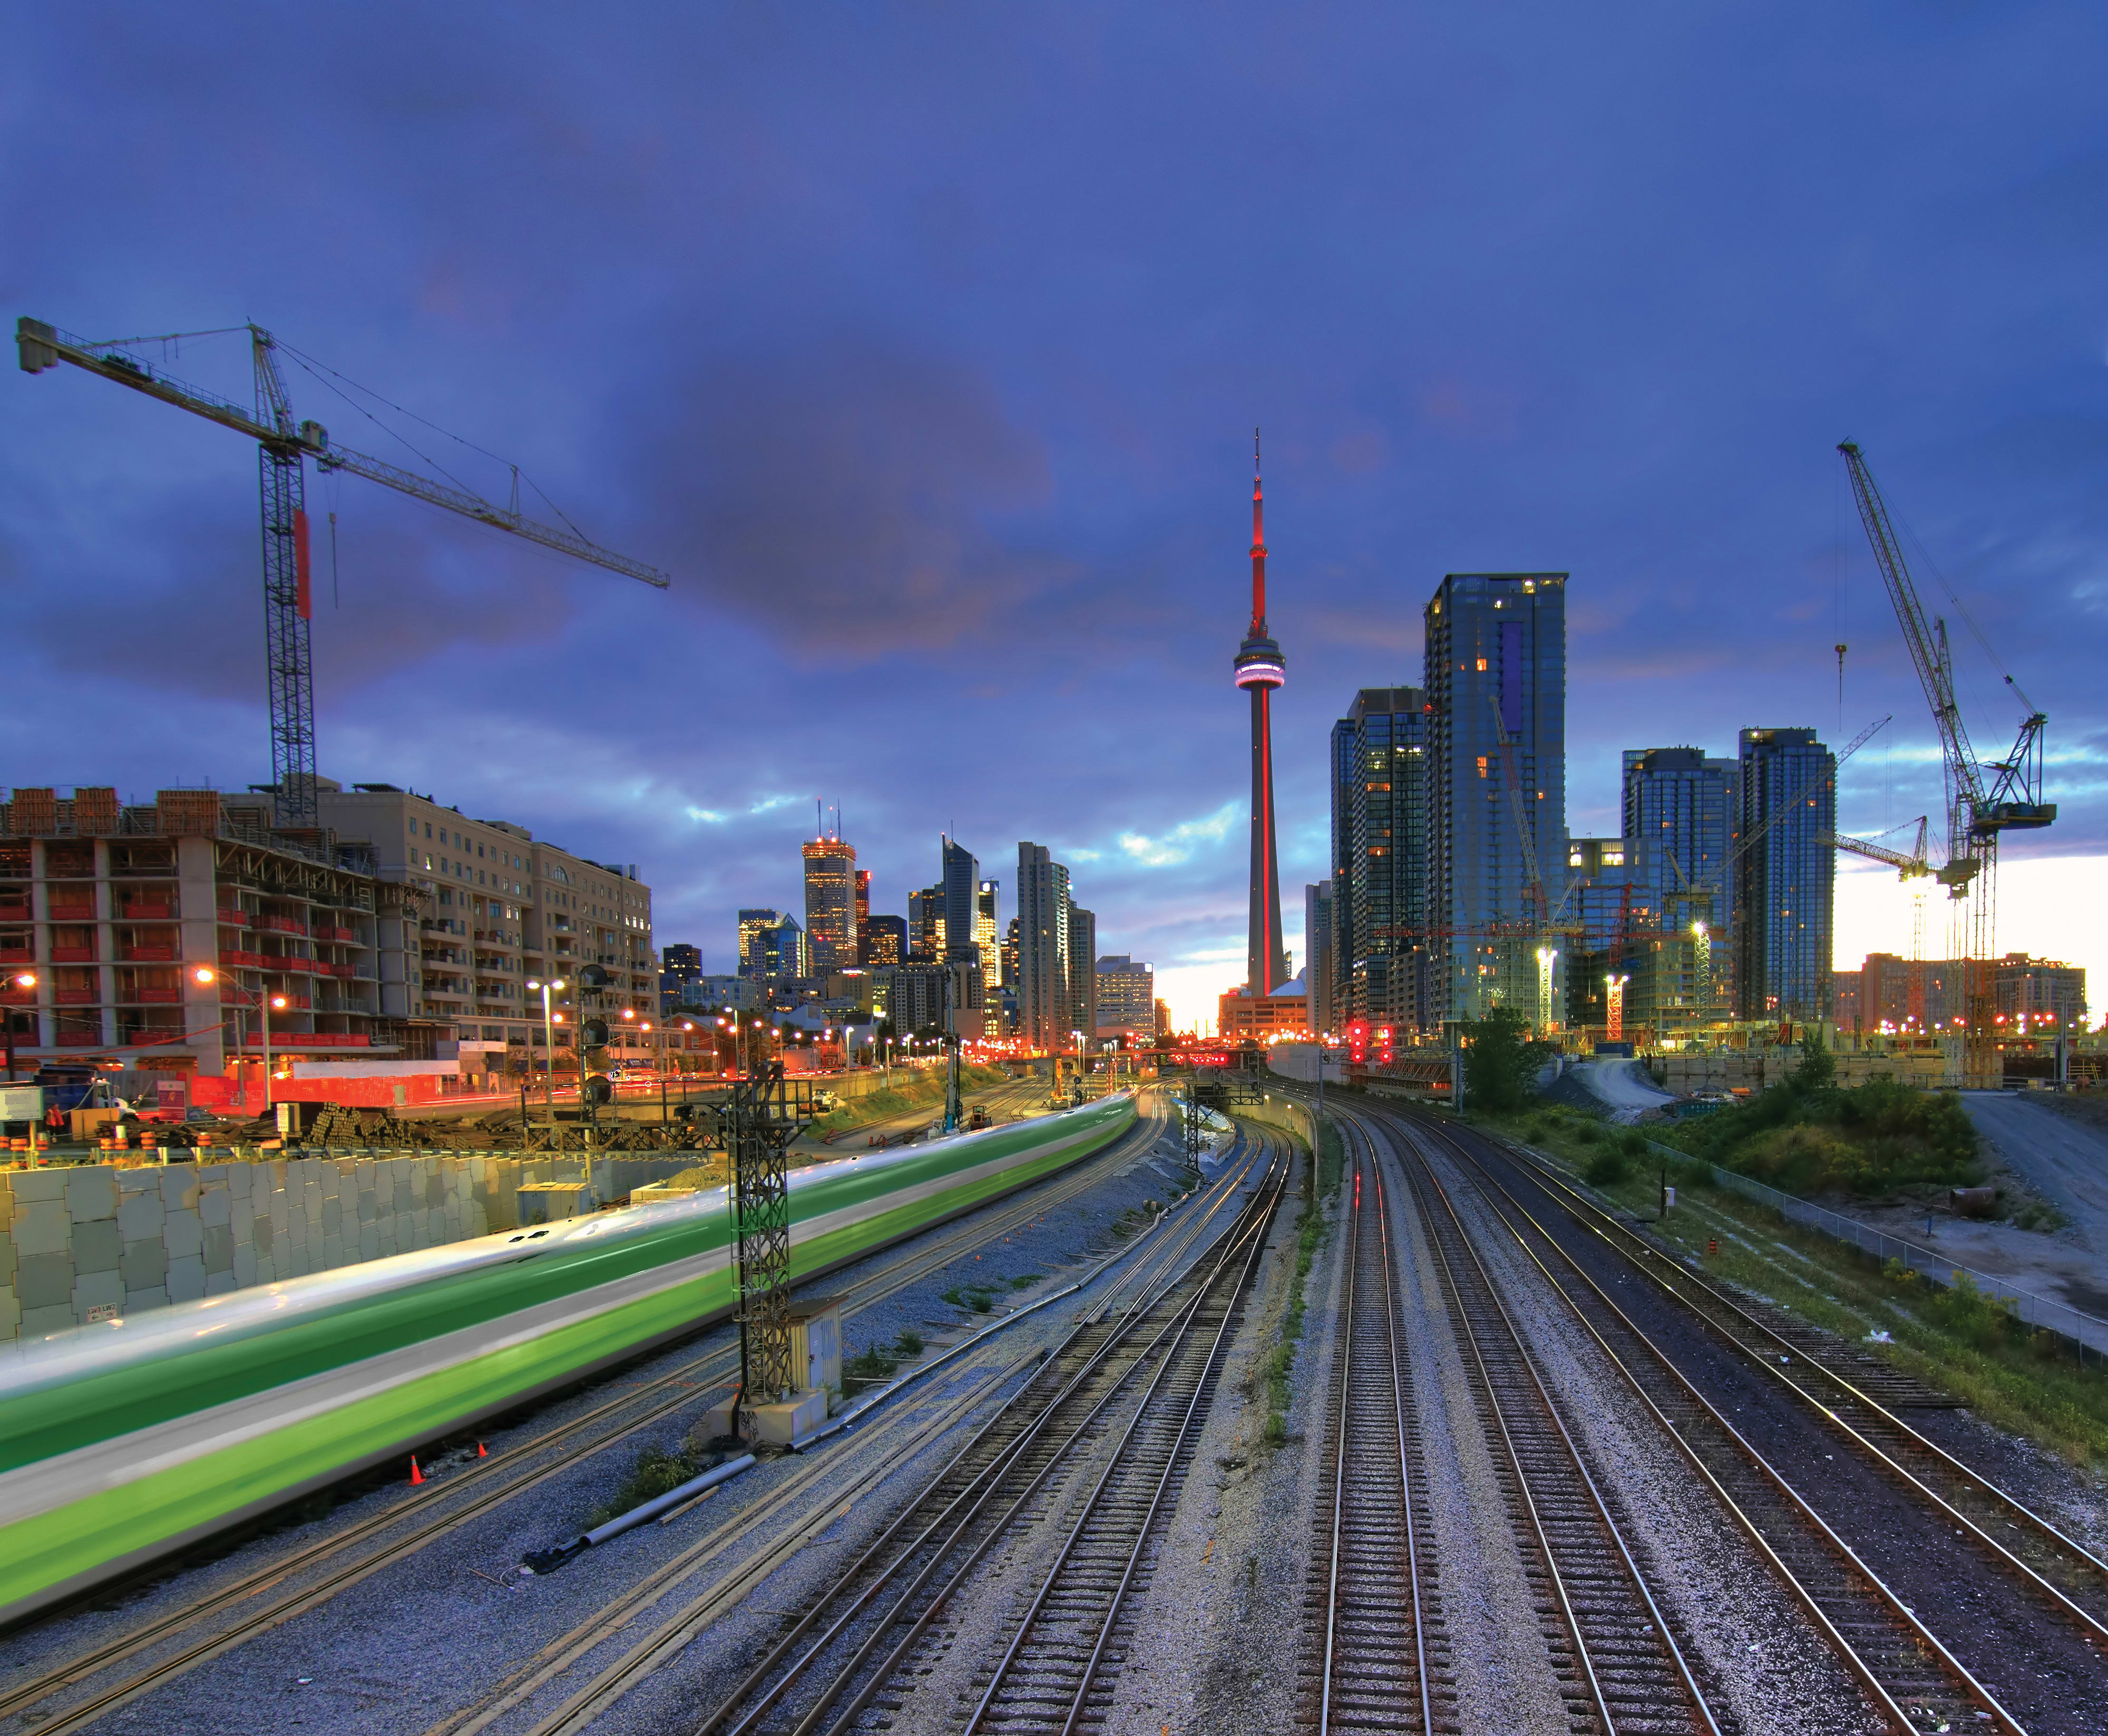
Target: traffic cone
point(481, 1450)
point(417, 1476)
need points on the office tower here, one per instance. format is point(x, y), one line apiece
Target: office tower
point(962, 885)
point(1127, 998)
point(1260, 670)
point(926, 925)
point(785, 950)
point(1681, 812)
point(1083, 971)
point(1009, 954)
point(1317, 938)
point(1784, 876)
point(1044, 978)
point(1496, 678)
point(1379, 958)
point(862, 897)
point(831, 925)
point(882, 942)
point(680, 965)
point(987, 899)
point(751, 925)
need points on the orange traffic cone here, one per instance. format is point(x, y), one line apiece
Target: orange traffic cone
point(481, 1450)
point(417, 1476)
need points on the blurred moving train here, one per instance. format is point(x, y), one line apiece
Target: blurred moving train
point(122, 1441)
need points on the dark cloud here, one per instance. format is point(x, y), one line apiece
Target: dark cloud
point(923, 350)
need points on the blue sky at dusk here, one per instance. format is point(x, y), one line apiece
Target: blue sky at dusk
point(923, 344)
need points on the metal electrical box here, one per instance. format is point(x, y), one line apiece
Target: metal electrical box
point(816, 1343)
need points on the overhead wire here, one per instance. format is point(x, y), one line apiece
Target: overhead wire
point(317, 368)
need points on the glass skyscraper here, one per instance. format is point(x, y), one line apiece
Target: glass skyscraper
point(1496, 681)
point(1376, 968)
point(1785, 875)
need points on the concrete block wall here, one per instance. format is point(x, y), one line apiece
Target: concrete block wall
point(95, 1242)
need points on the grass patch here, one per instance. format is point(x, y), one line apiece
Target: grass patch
point(972, 1296)
point(1025, 1281)
point(876, 1362)
point(656, 1473)
point(1277, 1371)
point(1955, 1339)
point(922, 1089)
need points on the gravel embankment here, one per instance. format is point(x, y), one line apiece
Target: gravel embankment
point(2039, 1667)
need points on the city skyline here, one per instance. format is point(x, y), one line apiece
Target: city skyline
point(899, 485)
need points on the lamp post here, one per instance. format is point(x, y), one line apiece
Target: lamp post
point(549, 1045)
point(263, 1001)
point(20, 979)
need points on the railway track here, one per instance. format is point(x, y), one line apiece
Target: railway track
point(2065, 1577)
point(859, 1640)
point(1905, 1670)
point(446, 1504)
point(1376, 1654)
point(1618, 1665)
point(1118, 1310)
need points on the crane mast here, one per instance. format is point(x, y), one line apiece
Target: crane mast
point(283, 447)
point(1980, 808)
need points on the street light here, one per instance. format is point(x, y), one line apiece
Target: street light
point(263, 1002)
point(549, 1040)
point(20, 979)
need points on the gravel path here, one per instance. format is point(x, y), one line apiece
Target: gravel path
point(1218, 1632)
point(1504, 1678)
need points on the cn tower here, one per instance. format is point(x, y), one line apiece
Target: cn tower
point(1259, 670)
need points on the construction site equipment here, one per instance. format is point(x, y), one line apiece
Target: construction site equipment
point(1985, 798)
point(1909, 867)
point(284, 446)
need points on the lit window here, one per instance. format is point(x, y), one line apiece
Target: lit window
point(1482, 765)
point(1482, 666)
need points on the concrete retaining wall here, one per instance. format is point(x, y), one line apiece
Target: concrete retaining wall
point(96, 1243)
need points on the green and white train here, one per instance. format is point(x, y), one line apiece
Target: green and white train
point(123, 1441)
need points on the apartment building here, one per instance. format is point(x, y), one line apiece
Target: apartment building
point(115, 911)
point(502, 910)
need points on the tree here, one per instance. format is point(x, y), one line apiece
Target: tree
point(1817, 1070)
point(1500, 1061)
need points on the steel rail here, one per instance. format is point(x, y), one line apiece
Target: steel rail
point(672, 1635)
point(1786, 1509)
point(1365, 1543)
point(1448, 1239)
point(506, 1472)
point(1964, 1497)
point(1170, 1449)
point(963, 1510)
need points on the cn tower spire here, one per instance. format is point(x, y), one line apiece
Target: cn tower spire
point(1259, 670)
point(1258, 546)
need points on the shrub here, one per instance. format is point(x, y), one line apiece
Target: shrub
point(1587, 1132)
point(1608, 1167)
point(1984, 1321)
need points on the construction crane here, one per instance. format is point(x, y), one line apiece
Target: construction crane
point(1908, 866)
point(1985, 798)
point(283, 448)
